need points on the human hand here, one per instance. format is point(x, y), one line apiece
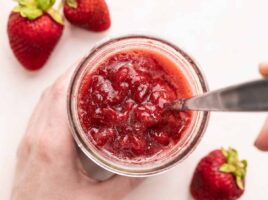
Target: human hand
point(262, 140)
point(48, 166)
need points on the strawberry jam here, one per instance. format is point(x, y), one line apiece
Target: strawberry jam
point(121, 104)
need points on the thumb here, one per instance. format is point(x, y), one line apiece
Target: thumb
point(262, 140)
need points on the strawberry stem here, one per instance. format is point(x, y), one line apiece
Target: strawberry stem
point(60, 6)
point(72, 3)
point(234, 166)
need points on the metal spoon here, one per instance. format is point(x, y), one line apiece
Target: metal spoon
point(251, 96)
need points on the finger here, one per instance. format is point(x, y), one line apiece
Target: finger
point(120, 186)
point(262, 140)
point(263, 68)
point(55, 110)
point(60, 86)
point(54, 131)
point(49, 114)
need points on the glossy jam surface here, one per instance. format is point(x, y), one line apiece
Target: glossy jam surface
point(121, 104)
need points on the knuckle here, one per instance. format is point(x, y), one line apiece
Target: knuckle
point(24, 147)
point(57, 89)
point(45, 93)
point(44, 149)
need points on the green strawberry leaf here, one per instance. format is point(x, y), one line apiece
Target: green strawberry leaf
point(29, 12)
point(224, 152)
point(55, 15)
point(234, 166)
point(239, 182)
point(22, 2)
point(243, 172)
point(16, 9)
point(72, 3)
point(45, 4)
point(245, 163)
point(227, 168)
point(27, 3)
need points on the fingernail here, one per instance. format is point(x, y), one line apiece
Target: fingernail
point(263, 68)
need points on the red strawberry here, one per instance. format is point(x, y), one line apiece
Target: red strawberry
point(219, 176)
point(89, 14)
point(34, 30)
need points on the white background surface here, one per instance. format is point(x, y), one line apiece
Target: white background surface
point(227, 37)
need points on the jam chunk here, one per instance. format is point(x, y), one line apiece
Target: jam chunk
point(122, 104)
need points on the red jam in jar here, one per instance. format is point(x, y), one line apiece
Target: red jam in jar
point(121, 104)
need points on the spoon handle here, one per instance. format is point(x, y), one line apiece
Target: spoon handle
point(251, 96)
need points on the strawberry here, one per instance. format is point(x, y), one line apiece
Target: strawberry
point(34, 28)
point(88, 14)
point(219, 176)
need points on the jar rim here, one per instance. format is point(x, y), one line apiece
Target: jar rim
point(109, 165)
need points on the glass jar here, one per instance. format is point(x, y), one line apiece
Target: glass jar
point(176, 154)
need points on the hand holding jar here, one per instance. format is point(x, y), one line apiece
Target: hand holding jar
point(48, 166)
